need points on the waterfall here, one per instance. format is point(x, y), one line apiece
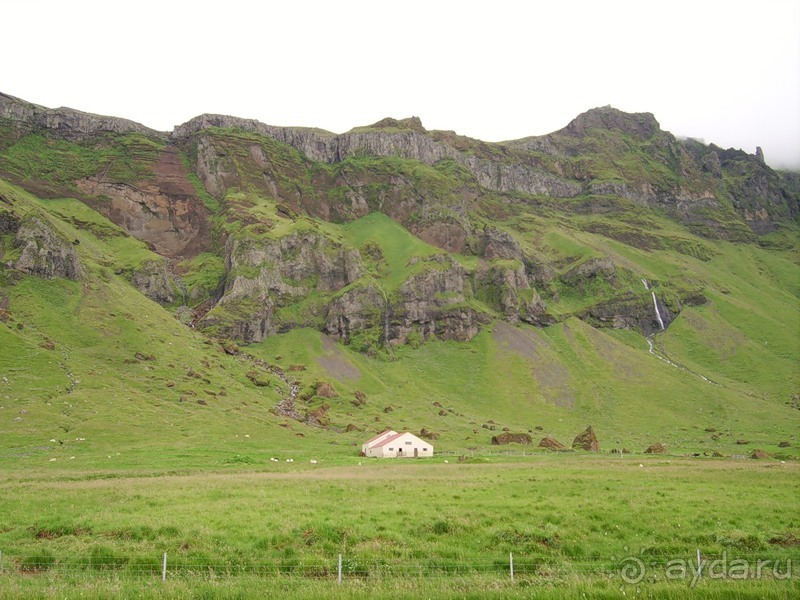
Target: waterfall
point(655, 304)
point(651, 346)
point(658, 313)
point(387, 315)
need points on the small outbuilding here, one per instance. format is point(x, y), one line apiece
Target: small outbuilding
point(391, 444)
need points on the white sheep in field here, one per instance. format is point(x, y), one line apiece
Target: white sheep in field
point(313, 462)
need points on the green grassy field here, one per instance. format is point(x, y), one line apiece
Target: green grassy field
point(571, 521)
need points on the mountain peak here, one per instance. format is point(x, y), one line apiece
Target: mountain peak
point(412, 123)
point(640, 125)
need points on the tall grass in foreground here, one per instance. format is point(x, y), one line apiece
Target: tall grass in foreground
point(112, 587)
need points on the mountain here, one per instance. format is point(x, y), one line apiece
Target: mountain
point(607, 272)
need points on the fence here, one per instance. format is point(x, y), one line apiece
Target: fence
point(630, 569)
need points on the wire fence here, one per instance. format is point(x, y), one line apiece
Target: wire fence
point(629, 569)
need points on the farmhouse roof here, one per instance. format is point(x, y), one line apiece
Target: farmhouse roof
point(390, 439)
point(369, 441)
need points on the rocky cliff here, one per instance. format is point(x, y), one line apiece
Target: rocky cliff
point(263, 221)
point(66, 122)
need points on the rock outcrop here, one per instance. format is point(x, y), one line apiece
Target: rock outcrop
point(152, 278)
point(44, 252)
point(357, 309)
point(430, 303)
point(265, 275)
point(433, 302)
point(504, 285)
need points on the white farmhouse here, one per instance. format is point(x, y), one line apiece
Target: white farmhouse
point(391, 444)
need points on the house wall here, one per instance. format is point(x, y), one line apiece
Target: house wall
point(424, 449)
point(393, 448)
point(374, 452)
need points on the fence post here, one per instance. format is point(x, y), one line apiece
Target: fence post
point(164, 568)
point(339, 579)
point(511, 565)
point(699, 566)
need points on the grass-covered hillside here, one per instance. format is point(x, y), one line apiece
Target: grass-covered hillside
point(198, 330)
point(195, 292)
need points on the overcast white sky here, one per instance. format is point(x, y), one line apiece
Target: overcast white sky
point(725, 71)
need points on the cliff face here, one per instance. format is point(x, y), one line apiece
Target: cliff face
point(270, 207)
point(657, 170)
point(67, 122)
point(264, 276)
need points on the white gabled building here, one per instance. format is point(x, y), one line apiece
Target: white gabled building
point(391, 444)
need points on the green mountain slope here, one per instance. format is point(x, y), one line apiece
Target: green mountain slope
point(184, 300)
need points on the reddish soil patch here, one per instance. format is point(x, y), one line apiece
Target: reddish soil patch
point(164, 212)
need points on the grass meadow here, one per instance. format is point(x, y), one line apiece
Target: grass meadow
point(429, 527)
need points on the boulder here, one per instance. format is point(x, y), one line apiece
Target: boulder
point(325, 390)
point(551, 444)
point(428, 435)
point(511, 438)
point(586, 440)
point(656, 449)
